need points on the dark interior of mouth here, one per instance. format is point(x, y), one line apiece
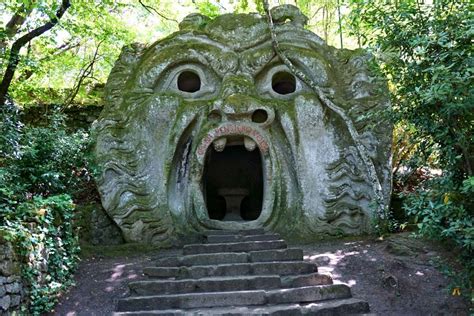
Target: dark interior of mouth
point(233, 183)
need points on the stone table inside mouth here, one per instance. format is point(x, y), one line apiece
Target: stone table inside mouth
point(233, 198)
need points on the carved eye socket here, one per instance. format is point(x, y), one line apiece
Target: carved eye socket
point(189, 81)
point(283, 82)
point(277, 81)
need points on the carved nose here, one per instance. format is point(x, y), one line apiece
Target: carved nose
point(239, 103)
point(237, 84)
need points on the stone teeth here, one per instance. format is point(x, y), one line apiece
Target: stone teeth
point(219, 144)
point(249, 143)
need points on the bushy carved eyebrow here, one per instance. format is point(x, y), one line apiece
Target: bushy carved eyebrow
point(253, 61)
point(211, 52)
point(163, 56)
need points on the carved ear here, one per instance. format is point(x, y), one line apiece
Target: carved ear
point(194, 21)
point(290, 12)
point(119, 75)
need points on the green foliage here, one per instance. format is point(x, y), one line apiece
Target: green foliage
point(39, 172)
point(425, 51)
point(209, 9)
point(447, 216)
point(51, 65)
point(10, 131)
point(43, 234)
point(45, 161)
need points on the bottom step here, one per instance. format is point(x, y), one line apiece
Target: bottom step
point(349, 306)
point(235, 298)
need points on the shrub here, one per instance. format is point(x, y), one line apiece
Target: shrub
point(44, 236)
point(425, 50)
point(40, 169)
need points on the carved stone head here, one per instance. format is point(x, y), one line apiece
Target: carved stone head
point(209, 129)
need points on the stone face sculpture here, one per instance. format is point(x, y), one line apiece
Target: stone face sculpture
point(208, 129)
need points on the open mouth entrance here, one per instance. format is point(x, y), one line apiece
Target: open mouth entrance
point(233, 183)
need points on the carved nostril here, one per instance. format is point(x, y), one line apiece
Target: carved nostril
point(215, 116)
point(259, 116)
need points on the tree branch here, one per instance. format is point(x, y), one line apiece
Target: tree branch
point(372, 173)
point(86, 72)
point(28, 72)
point(22, 41)
point(152, 10)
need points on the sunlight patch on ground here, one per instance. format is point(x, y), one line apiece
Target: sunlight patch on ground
point(328, 261)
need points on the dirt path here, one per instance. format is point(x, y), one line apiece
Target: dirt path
point(395, 276)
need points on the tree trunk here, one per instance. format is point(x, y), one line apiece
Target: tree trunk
point(22, 41)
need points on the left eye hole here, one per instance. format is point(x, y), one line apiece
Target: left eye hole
point(189, 81)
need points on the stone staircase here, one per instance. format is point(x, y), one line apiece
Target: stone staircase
point(246, 272)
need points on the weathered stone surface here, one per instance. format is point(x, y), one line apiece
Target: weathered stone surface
point(13, 288)
point(239, 238)
point(349, 306)
point(15, 300)
point(306, 280)
point(309, 294)
point(175, 110)
point(161, 272)
point(5, 302)
point(192, 300)
point(290, 254)
point(13, 278)
point(211, 284)
point(234, 247)
point(9, 267)
point(97, 228)
point(214, 258)
point(235, 233)
point(261, 288)
point(103, 230)
point(259, 268)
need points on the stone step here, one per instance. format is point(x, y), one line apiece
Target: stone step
point(241, 238)
point(193, 300)
point(212, 284)
point(226, 283)
point(204, 259)
point(289, 254)
point(349, 306)
point(305, 280)
point(235, 298)
point(308, 294)
point(260, 268)
point(233, 247)
point(254, 231)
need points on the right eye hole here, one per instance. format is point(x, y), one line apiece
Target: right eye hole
point(283, 82)
point(189, 81)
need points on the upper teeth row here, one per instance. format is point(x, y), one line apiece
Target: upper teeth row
point(219, 144)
